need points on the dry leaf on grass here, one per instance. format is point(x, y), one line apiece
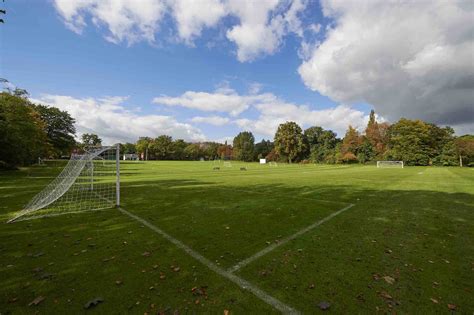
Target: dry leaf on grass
point(37, 301)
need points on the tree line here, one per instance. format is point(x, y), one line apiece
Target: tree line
point(30, 131)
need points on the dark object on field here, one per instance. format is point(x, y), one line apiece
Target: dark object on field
point(243, 168)
point(324, 306)
point(216, 168)
point(93, 303)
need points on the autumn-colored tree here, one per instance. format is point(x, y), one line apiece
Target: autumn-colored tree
point(351, 142)
point(289, 141)
point(225, 151)
point(376, 134)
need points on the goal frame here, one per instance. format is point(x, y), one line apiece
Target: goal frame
point(56, 196)
point(390, 164)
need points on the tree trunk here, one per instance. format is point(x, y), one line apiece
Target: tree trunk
point(460, 160)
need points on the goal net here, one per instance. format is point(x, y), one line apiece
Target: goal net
point(381, 164)
point(227, 164)
point(273, 164)
point(90, 181)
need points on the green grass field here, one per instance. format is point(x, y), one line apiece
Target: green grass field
point(407, 244)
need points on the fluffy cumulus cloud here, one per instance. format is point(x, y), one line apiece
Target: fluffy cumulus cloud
point(222, 100)
point(109, 118)
point(259, 28)
point(258, 33)
point(271, 111)
point(407, 58)
point(126, 21)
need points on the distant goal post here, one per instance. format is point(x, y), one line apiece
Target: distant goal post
point(390, 164)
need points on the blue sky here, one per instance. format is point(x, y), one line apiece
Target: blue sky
point(106, 67)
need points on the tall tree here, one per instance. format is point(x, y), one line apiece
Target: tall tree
point(162, 147)
point(289, 141)
point(376, 133)
point(142, 145)
point(91, 140)
point(243, 146)
point(22, 132)
point(59, 127)
point(350, 145)
point(321, 143)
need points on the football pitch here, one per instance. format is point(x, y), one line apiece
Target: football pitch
point(267, 239)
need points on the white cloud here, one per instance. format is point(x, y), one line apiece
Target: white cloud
point(193, 15)
point(315, 28)
point(411, 59)
point(272, 111)
point(260, 31)
point(211, 120)
point(263, 24)
point(108, 118)
point(222, 100)
point(272, 114)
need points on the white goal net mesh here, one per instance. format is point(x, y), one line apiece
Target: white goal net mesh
point(381, 164)
point(88, 182)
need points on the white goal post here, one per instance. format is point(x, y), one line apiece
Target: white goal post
point(90, 181)
point(394, 164)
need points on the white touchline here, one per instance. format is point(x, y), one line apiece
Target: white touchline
point(244, 284)
point(286, 240)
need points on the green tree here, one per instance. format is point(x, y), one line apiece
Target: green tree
point(243, 146)
point(128, 148)
point(465, 149)
point(193, 151)
point(22, 132)
point(178, 149)
point(419, 143)
point(209, 150)
point(289, 141)
point(162, 147)
point(365, 152)
point(91, 140)
point(321, 143)
point(262, 149)
point(59, 128)
point(142, 146)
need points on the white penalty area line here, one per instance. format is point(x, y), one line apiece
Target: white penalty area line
point(244, 284)
point(286, 240)
point(48, 215)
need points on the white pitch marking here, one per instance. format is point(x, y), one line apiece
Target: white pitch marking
point(244, 284)
point(286, 240)
point(48, 215)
